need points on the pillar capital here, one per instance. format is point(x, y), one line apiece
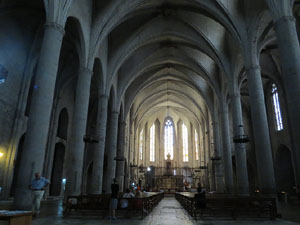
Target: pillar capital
point(252, 67)
point(283, 19)
point(280, 8)
point(104, 96)
point(55, 26)
point(86, 70)
point(235, 95)
point(57, 11)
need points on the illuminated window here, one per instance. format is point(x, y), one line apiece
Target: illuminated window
point(152, 143)
point(185, 143)
point(169, 139)
point(196, 145)
point(276, 107)
point(141, 144)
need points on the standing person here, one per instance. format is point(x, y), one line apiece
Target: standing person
point(38, 185)
point(114, 198)
point(199, 189)
point(200, 198)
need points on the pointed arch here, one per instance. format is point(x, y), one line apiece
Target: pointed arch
point(169, 138)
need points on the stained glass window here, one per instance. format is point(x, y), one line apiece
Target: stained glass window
point(169, 139)
point(196, 145)
point(185, 143)
point(152, 143)
point(141, 144)
point(276, 107)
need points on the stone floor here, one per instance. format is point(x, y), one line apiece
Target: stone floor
point(168, 212)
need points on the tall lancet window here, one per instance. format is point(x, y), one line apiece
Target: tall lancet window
point(196, 145)
point(185, 143)
point(276, 107)
point(169, 139)
point(141, 144)
point(152, 143)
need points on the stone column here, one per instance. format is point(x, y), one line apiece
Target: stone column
point(227, 158)
point(99, 148)
point(120, 173)
point(79, 121)
point(240, 149)
point(216, 162)
point(211, 175)
point(40, 112)
point(261, 131)
point(112, 151)
point(289, 58)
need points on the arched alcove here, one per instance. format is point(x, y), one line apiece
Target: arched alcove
point(57, 170)
point(284, 170)
point(63, 121)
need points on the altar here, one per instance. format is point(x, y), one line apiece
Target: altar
point(169, 184)
point(169, 181)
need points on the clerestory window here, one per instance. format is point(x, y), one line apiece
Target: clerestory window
point(169, 139)
point(196, 145)
point(185, 143)
point(276, 108)
point(152, 143)
point(141, 144)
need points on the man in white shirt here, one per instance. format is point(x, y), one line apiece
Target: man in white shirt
point(38, 186)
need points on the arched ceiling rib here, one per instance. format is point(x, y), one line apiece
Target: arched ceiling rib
point(115, 12)
point(150, 40)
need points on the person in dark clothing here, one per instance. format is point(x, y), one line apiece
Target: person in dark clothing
point(199, 189)
point(200, 198)
point(114, 198)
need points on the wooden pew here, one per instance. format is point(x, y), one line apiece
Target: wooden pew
point(230, 206)
point(141, 205)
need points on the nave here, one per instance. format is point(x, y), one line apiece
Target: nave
point(168, 212)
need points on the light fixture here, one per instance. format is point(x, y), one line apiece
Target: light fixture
point(1, 154)
point(149, 169)
point(239, 139)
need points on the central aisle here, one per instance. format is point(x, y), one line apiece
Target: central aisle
point(168, 212)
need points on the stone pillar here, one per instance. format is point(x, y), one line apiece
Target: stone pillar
point(111, 151)
point(240, 149)
point(120, 173)
point(261, 131)
point(79, 121)
point(99, 148)
point(217, 157)
point(211, 175)
point(289, 58)
point(40, 112)
point(227, 158)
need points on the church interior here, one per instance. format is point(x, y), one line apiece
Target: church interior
point(165, 96)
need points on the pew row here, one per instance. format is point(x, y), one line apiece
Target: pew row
point(141, 205)
point(229, 206)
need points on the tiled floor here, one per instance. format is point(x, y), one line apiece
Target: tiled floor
point(168, 212)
